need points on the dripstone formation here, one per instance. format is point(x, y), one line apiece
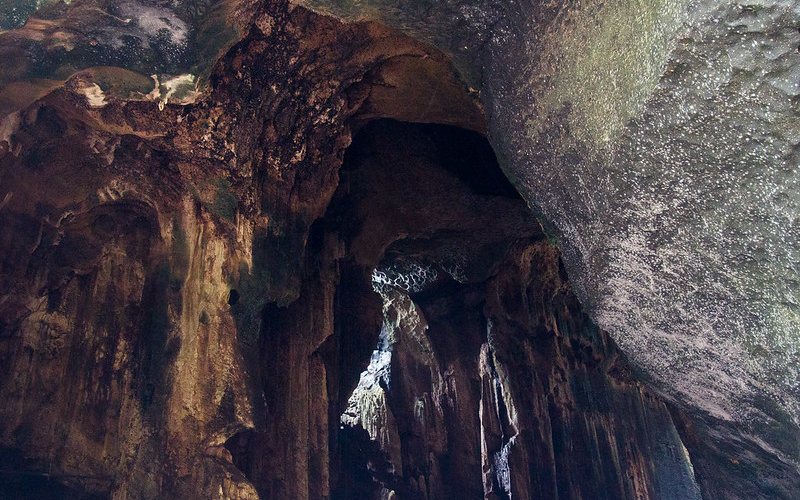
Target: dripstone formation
point(355, 250)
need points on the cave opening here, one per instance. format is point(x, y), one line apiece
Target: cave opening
point(428, 216)
point(397, 269)
point(434, 344)
point(462, 364)
point(233, 297)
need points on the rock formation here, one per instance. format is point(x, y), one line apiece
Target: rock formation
point(264, 250)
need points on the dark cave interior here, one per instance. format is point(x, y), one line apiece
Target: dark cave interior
point(293, 268)
point(485, 363)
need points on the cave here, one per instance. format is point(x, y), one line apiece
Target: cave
point(387, 250)
point(460, 358)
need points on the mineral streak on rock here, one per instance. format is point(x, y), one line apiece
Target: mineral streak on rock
point(209, 289)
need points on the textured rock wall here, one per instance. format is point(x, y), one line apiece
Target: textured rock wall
point(543, 408)
point(174, 323)
point(141, 244)
point(658, 141)
point(490, 381)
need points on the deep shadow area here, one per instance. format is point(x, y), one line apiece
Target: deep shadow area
point(32, 486)
point(429, 213)
point(470, 157)
point(487, 379)
point(22, 480)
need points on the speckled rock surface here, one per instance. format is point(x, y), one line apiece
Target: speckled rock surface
point(659, 141)
point(156, 155)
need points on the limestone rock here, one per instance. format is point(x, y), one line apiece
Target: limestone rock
point(210, 289)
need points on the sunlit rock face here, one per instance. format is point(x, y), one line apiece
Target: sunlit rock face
point(660, 142)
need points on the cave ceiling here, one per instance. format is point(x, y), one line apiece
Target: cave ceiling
point(658, 141)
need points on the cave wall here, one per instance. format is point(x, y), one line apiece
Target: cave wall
point(127, 227)
point(658, 142)
point(488, 379)
point(477, 394)
point(131, 214)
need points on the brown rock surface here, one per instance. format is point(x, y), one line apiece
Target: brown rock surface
point(489, 380)
point(186, 295)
